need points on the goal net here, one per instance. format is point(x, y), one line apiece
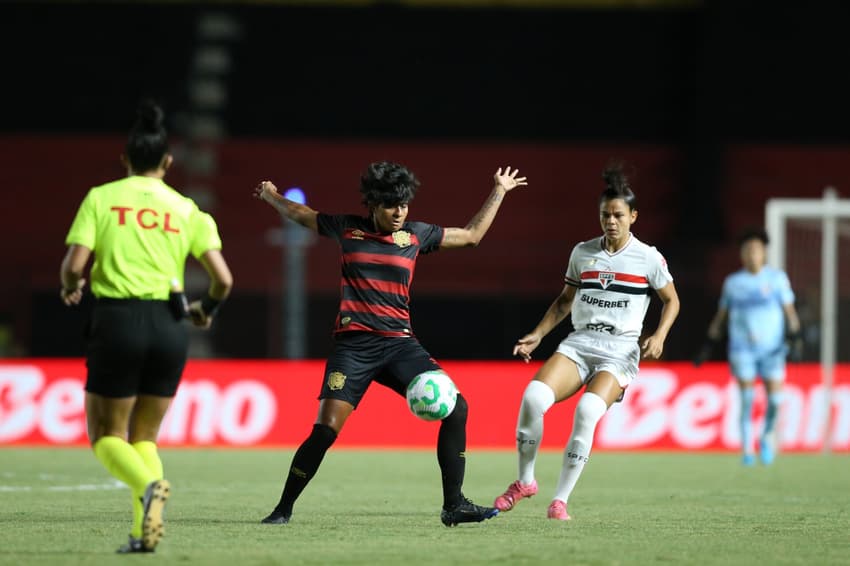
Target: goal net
point(810, 240)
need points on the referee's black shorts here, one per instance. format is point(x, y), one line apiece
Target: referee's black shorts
point(134, 347)
point(358, 358)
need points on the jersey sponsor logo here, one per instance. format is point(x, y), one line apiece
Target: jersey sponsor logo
point(336, 380)
point(605, 304)
point(146, 218)
point(402, 238)
point(600, 327)
point(357, 234)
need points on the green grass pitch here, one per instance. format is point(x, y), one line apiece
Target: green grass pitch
point(58, 506)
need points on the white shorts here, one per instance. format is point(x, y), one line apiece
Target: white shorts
point(594, 351)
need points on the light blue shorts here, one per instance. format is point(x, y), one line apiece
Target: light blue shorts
point(747, 365)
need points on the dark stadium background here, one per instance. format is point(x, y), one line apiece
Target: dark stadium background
point(720, 105)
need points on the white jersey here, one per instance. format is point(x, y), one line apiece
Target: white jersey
point(614, 288)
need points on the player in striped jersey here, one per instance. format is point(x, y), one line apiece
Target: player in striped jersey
point(609, 282)
point(373, 340)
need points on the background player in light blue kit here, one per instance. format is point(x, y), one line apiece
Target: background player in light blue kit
point(758, 303)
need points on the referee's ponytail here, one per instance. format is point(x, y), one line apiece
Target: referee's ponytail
point(147, 143)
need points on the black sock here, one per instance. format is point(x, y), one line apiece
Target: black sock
point(304, 465)
point(451, 452)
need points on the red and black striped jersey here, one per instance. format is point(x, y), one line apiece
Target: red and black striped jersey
point(377, 271)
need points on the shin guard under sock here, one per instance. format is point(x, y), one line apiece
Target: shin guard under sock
point(451, 452)
point(305, 464)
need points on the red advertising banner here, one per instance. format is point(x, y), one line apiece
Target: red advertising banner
point(670, 406)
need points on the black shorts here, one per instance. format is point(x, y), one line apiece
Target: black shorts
point(358, 358)
point(134, 347)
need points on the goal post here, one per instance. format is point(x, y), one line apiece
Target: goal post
point(824, 216)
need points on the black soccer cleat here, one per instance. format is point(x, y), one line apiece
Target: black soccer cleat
point(133, 545)
point(466, 512)
point(277, 517)
point(153, 522)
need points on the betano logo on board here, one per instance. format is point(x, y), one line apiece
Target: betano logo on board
point(670, 406)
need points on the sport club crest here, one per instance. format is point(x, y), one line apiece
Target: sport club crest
point(336, 380)
point(606, 277)
point(401, 238)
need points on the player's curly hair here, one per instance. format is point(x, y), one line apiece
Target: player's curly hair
point(617, 185)
point(387, 184)
point(148, 139)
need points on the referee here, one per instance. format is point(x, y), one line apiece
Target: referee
point(140, 232)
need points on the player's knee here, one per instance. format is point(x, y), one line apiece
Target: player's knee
point(460, 412)
point(589, 410)
point(537, 398)
point(323, 435)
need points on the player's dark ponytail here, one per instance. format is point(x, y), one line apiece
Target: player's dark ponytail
point(617, 185)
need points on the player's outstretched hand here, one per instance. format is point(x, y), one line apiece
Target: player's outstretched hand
point(73, 296)
point(266, 191)
point(525, 345)
point(508, 180)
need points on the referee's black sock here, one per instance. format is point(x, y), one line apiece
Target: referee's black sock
point(451, 452)
point(304, 465)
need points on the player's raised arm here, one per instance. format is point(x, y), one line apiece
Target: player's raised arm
point(474, 231)
point(300, 213)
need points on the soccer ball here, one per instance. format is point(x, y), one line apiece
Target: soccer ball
point(432, 395)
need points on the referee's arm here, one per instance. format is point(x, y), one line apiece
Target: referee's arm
point(71, 274)
point(221, 282)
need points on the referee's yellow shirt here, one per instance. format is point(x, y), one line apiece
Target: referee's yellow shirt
point(141, 231)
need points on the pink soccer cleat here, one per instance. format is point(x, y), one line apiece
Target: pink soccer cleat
point(513, 494)
point(558, 510)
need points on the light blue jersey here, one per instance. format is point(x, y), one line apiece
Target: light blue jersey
point(755, 304)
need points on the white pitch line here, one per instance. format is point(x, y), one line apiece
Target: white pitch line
point(114, 484)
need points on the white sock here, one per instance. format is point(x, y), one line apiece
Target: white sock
point(536, 400)
point(589, 410)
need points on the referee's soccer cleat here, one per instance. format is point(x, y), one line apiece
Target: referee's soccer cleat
point(513, 494)
point(133, 545)
point(153, 522)
point(466, 512)
point(277, 517)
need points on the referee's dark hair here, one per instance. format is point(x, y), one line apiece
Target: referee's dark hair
point(387, 184)
point(148, 139)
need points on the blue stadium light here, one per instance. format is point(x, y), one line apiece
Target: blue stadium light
point(295, 194)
